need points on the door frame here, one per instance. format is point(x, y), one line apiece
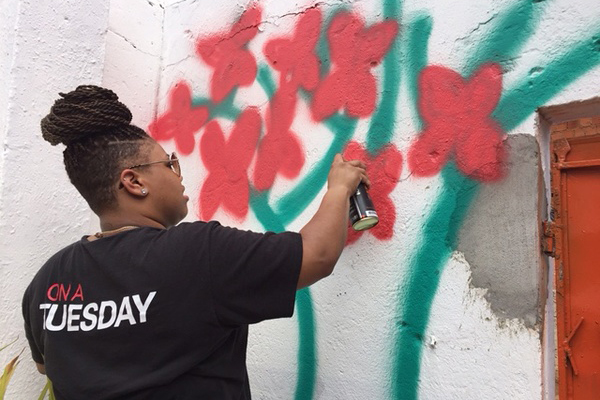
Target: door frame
point(561, 137)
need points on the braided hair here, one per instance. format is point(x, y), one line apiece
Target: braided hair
point(101, 142)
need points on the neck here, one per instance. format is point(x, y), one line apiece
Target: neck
point(110, 221)
point(99, 235)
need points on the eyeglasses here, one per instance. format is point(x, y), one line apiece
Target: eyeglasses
point(173, 163)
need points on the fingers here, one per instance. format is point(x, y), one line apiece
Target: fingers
point(362, 169)
point(357, 163)
point(365, 179)
point(357, 171)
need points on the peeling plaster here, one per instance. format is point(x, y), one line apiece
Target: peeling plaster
point(499, 240)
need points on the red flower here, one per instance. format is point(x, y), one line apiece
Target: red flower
point(233, 64)
point(280, 151)
point(180, 121)
point(295, 57)
point(384, 172)
point(457, 116)
point(354, 51)
point(227, 162)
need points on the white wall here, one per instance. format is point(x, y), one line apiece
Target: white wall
point(47, 47)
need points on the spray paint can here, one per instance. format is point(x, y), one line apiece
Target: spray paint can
point(362, 212)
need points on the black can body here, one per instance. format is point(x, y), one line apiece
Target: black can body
point(362, 212)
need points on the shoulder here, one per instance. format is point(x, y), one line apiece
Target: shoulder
point(212, 230)
point(55, 260)
point(186, 234)
point(48, 269)
point(230, 241)
point(193, 227)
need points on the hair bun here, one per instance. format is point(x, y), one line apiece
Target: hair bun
point(87, 110)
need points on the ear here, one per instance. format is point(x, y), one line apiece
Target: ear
point(132, 182)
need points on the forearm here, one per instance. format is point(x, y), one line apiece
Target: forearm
point(325, 234)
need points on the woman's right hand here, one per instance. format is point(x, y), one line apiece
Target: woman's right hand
point(324, 236)
point(347, 174)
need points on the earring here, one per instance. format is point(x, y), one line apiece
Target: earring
point(144, 191)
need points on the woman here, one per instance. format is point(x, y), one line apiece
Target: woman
point(146, 308)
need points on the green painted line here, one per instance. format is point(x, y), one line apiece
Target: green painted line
point(307, 352)
point(292, 205)
point(295, 201)
point(417, 40)
point(443, 224)
point(259, 202)
point(307, 348)
point(381, 126)
point(266, 81)
point(512, 30)
point(535, 89)
point(306, 380)
point(418, 292)
point(225, 109)
point(322, 48)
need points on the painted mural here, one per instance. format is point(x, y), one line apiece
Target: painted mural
point(327, 61)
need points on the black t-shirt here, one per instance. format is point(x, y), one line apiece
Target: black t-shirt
point(158, 313)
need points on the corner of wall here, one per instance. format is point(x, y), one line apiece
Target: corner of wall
point(8, 26)
point(49, 48)
point(133, 55)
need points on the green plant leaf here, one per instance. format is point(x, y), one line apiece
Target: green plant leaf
point(47, 390)
point(5, 346)
point(8, 371)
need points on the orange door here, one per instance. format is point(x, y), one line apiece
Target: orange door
point(576, 204)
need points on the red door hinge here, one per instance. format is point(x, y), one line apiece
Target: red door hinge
point(549, 238)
